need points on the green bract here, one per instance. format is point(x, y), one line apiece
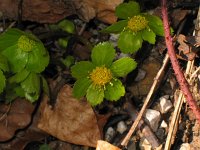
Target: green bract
point(98, 79)
point(135, 27)
point(26, 57)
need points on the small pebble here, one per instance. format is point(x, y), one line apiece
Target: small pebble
point(144, 144)
point(185, 146)
point(113, 39)
point(141, 75)
point(110, 133)
point(165, 105)
point(121, 127)
point(163, 124)
point(153, 118)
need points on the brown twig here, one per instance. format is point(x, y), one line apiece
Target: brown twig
point(146, 102)
point(184, 86)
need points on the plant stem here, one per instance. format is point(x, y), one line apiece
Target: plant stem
point(184, 86)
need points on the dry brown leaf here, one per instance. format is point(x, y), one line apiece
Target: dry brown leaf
point(14, 116)
point(103, 145)
point(23, 137)
point(70, 120)
point(52, 11)
point(103, 10)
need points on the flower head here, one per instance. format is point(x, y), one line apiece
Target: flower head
point(137, 23)
point(135, 27)
point(98, 79)
point(101, 76)
point(25, 43)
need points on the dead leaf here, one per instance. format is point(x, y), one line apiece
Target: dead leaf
point(14, 116)
point(103, 145)
point(186, 52)
point(103, 10)
point(23, 137)
point(52, 11)
point(70, 120)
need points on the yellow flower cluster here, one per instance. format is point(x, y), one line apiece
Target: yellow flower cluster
point(101, 75)
point(25, 43)
point(137, 23)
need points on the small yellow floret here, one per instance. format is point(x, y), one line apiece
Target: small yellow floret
point(101, 75)
point(137, 23)
point(25, 43)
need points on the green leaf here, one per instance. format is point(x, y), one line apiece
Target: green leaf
point(68, 61)
point(95, 95)
point(114, 90)
point(19, 91)
point(31, 84)
point(123, 66)
point(116, 27)
point(80, 87)
point(45, 147)
point(17, 59)
point(126, 10)
point(129, 42)
point(38, 59)
point(45, 86)
point(103, 54)
point(81, 69)
point(32, 97)
point(3, 63)
point(2, 81)
point(149, 36)
point(67, 26)
point(9, 38)
point(19, 77)
point(155, 24)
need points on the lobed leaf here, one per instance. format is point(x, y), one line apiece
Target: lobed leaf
point(31, 84)
point(81, 86)
point(17, 59)
point(123, 66)
point(116, 27)
point(9, 38)
point(155, 24)
point(38, 59)
point(19, 76)
point(95, 95)
point(81, 69)
point(129, 42)
point(114, 90)
point(149, 36)
point(126, 10)
point(103, 54)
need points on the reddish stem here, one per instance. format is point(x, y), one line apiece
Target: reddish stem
point(184, 86)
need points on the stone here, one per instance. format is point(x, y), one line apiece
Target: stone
point(110, 133)
point(141, 75)
point(113, 39)
point(153, 118)
point(185, 146)
point(165, 105)
point(121, 127)
point(163, 124)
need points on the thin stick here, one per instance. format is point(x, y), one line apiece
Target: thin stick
point(146, 102)
point(184, 86)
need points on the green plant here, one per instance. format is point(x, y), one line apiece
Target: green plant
point(134, 27)
point(3, 68)
point(27, 58)
point(98, 79)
